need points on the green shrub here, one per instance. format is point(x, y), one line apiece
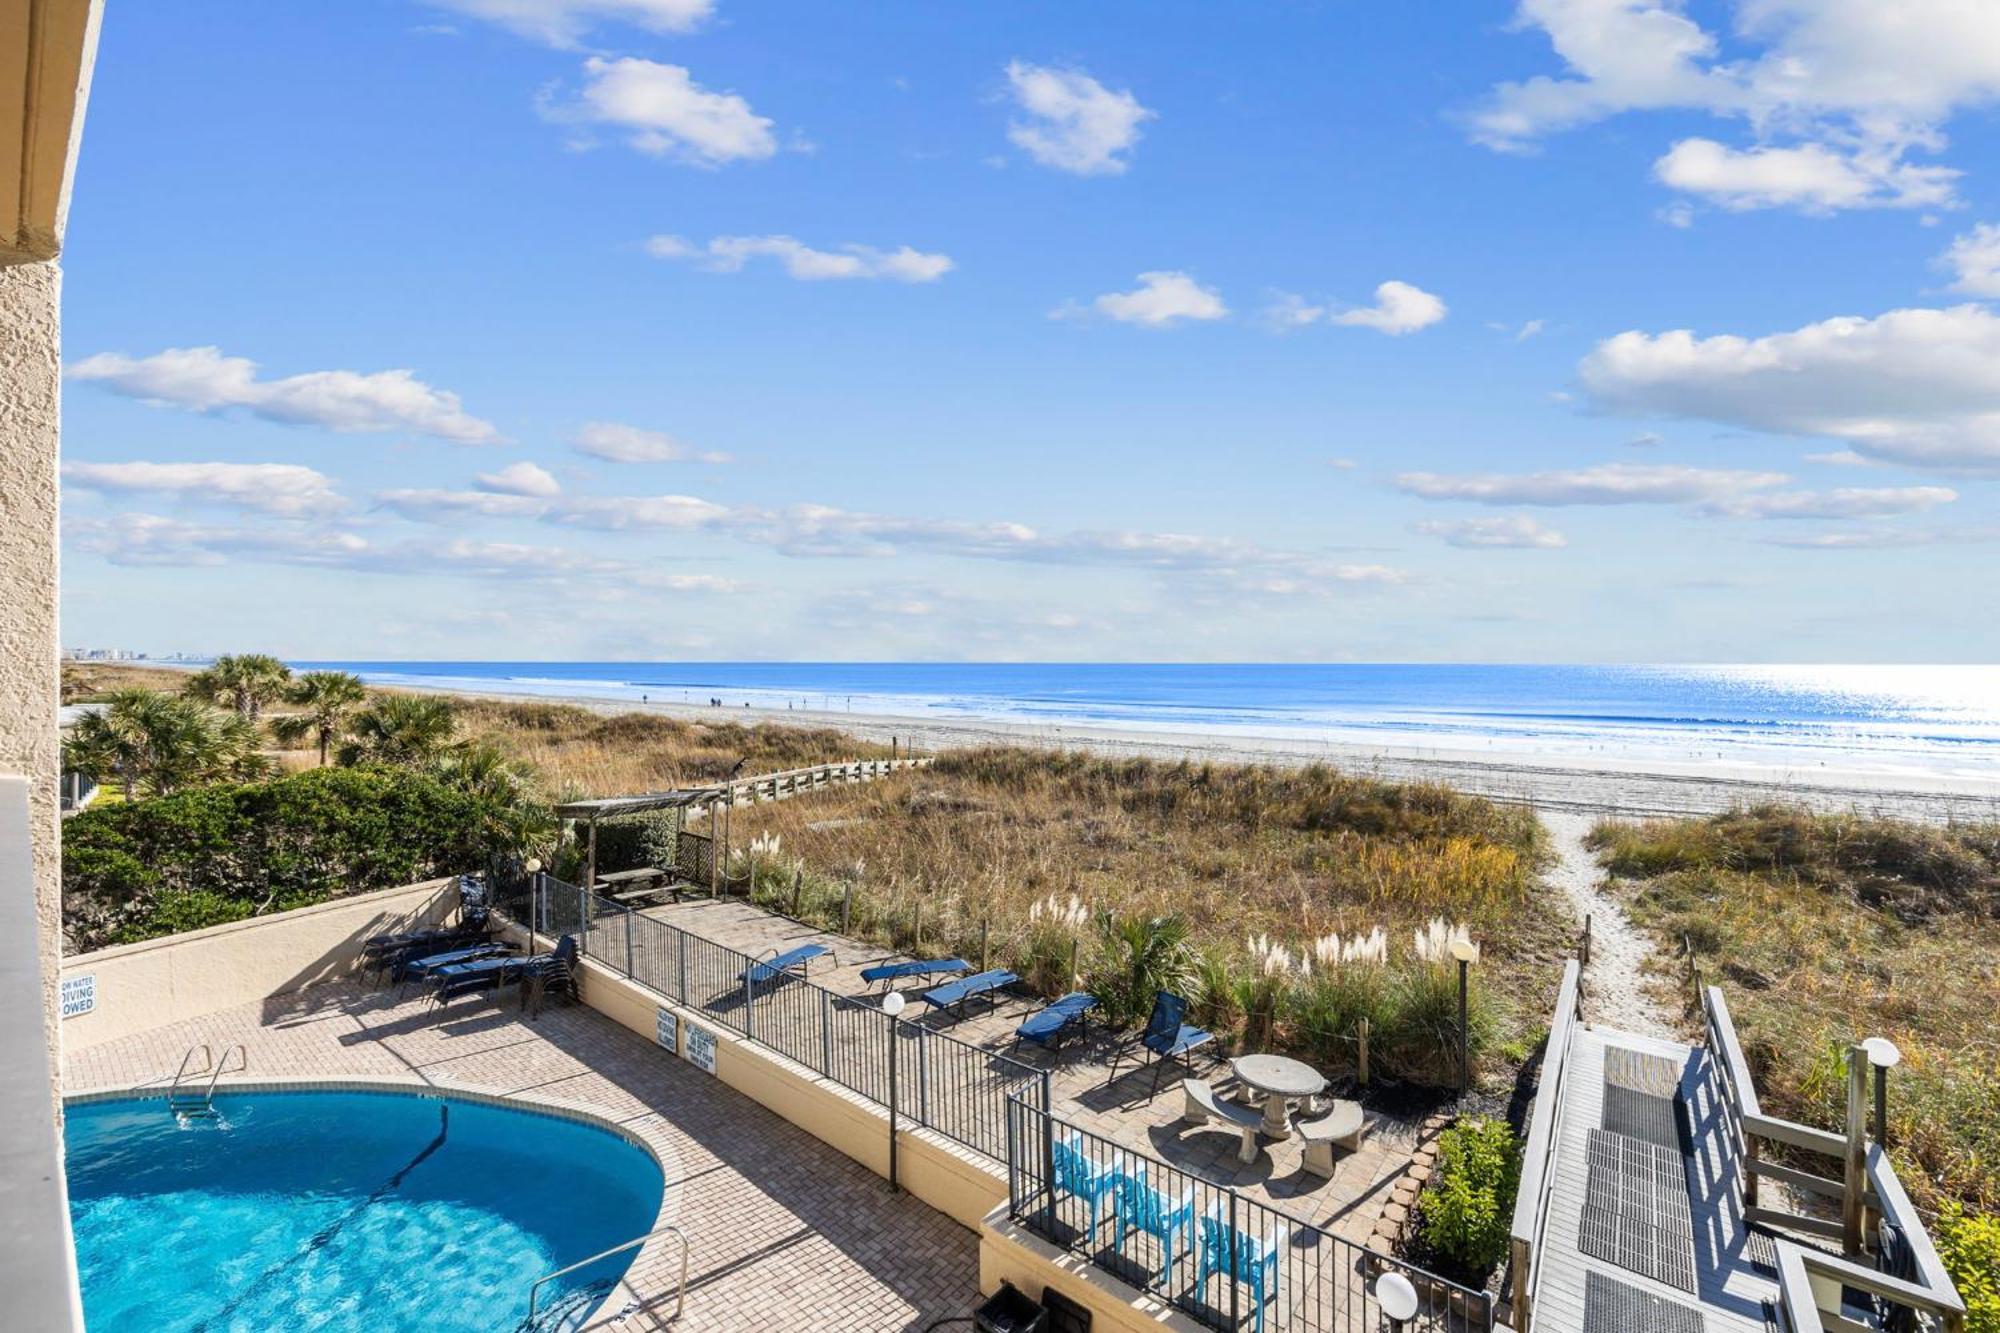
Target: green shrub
point(627, 842)
point(1469, 1207)
point(137, 870)
point(1969, 1245)
point(1140, 955)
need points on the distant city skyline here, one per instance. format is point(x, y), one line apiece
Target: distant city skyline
point(1595, 331)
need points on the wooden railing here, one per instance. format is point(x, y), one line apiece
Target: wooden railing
point(1537, 1175)
point(1810, 1280)
point(797, 781)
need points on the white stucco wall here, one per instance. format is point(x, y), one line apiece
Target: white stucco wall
point(30, 380)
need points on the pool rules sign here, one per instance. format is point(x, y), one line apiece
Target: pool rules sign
point(667, 1029)
point(79, 995)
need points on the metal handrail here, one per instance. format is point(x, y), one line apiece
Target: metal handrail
point(208, 1062)
point(243, 1064)
point(680, 1296)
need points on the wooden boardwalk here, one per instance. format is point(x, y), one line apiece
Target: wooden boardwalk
point(1703, 1262)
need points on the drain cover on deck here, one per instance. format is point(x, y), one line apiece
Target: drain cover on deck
point(1637, 1071)
point(1611, 1306)
point(1641, 1115)
point(1635, 1209)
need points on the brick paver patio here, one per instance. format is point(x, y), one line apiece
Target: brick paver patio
point(786, 1232)
point(1124, 1109)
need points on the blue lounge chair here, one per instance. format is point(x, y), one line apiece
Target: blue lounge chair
point(1047, 1027)
point(801, 958)
point(1077, 1175)
point(1143, 1208)
point(1166, 1036)
point(1256, 1261)
point(956, 993)
point(929, 967)
point(454, 979)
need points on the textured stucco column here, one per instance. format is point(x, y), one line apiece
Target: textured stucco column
point(30, 392)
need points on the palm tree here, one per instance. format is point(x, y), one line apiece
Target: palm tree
point(243, 681)
point(399, 729)
point(1144, 954)
point(514, 817)
point(327, 697)
point(144, 738)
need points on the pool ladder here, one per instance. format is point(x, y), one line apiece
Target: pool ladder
point(680, 1295)
point(183, 1097)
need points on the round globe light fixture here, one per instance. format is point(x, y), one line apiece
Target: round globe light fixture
point(893, 1002)
point(1396, 1296)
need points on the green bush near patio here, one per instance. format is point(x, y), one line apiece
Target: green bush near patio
point(1470, 1203)
point(1969, 1245)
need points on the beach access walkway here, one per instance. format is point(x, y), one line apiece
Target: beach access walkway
point(1639, 1202)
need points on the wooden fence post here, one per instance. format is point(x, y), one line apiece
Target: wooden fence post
point(985, 948)
point(1586, 940)
point(1361, 1058)
point(846, 907)
point(798, 887)
point(1856, 1176)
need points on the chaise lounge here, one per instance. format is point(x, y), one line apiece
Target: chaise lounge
point(954, 994)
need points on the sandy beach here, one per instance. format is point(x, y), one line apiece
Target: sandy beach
point(1610, 787)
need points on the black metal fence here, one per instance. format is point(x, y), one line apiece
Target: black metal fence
point(1228, 1261)
point(931, 1078)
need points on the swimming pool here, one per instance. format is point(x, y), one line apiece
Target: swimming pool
point(343, 1211)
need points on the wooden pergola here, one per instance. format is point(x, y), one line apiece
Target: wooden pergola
point(707, 799)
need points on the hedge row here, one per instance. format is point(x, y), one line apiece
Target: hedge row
point(212, 854)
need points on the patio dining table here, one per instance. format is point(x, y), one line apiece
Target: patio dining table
point(1282, 1080)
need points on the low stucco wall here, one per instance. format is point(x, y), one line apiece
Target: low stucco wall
point(140, 986)
point(1010, 1252)
point(956, 1182)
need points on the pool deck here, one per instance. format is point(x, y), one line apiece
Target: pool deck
point(785, 1231)
point(1124, 1109)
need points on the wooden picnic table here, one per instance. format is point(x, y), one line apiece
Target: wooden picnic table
point(646, 883)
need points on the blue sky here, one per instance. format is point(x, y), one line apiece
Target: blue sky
point(1612, 330)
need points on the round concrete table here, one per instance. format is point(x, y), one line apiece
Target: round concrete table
point(1281, 1079)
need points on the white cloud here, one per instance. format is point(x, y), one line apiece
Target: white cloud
point(1974, 259)
point(523, 478)
point(1645, 440)
point(1845, 502)
point(825, 532)
point(563, 23)
point(1399, 308)
point(728, 254)
point(1864, 81)
point(1513, 530)
point(1882, 539)
point(1075, 123)
point(1162, 300)
point(273, 488)
point(149, 539)
point(615, 442)
point(1920, 386)
point(1810, 177)
point(202, 379)
point(1605, 484)
point(1840, 458)
point(667, 113)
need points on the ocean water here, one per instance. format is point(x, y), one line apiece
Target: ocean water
point(345, 1211)
point(1932, 720)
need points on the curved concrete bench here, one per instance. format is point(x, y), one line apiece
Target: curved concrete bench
point(1342, 1127)
point(1202, 1105)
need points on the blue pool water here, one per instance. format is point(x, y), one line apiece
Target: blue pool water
point(343, 1211)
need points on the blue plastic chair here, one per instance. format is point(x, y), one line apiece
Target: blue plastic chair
point(1166, 1036)
point(1256, 1265)
point(1143, 1208)
point(1077, 1175)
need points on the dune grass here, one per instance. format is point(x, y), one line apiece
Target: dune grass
point(1046, 856)
point(1824, 929)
